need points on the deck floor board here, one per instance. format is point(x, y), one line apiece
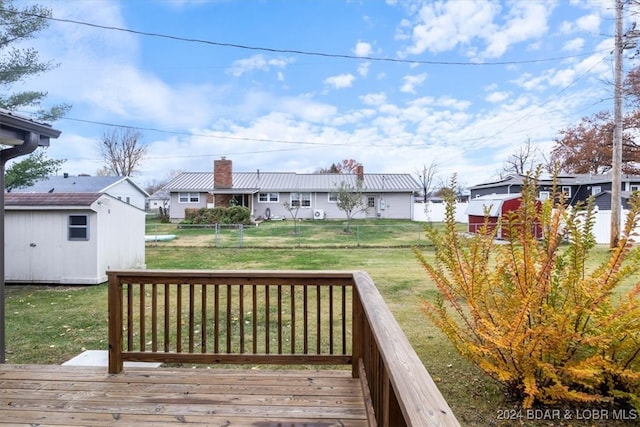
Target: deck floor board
point(81, 396)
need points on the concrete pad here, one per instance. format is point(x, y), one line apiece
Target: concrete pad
point(101, 358)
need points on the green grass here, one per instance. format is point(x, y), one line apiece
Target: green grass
point(285, 234)
point(50, 325)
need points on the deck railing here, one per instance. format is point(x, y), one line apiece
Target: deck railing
point(274, 317)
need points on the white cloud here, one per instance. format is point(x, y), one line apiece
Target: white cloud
point(444, 26)
point(496, 97)
point(363, 49)
point(340, 81)
point(574, 45)
point(257, 62)
point(456, 104)
point(525, 21)
point(363, 69)
point(410, 82)
point(589, 23)
point(374, 98)
point(306, 109)
point(179, 4)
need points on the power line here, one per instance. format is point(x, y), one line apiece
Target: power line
point(295, 51)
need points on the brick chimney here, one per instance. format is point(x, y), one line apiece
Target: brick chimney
point(360, 172)
point(222, 179)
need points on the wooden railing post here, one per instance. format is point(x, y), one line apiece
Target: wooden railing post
point(402, 391)
point(357, 333)
point(115, 325)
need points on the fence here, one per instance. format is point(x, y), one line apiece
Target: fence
point(298, 234)
point(434, 212)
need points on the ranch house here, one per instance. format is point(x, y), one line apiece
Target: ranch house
point(388, 195)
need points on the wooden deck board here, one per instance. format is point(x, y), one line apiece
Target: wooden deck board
point(76, 395)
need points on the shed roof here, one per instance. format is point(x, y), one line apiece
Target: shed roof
point(291, 181)
point(491, 203)
point(50, 199)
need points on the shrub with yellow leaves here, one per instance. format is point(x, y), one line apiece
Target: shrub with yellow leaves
point(530, 313)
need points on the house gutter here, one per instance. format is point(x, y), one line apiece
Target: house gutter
point(32, 134)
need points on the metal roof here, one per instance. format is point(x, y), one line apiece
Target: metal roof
point(290, 181)
point(191, 181)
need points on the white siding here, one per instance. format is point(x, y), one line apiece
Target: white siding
point(121, 237)
point(37, 249)
point(124, 191)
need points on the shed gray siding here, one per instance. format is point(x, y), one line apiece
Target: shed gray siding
point(38, 248)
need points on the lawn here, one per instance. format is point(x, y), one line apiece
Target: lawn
point(50, 325)
point(290, 234)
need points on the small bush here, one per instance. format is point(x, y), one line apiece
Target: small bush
point(527, 311)
point(238, 215)
point(219, 215)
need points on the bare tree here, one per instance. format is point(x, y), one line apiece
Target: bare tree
point(350, 201)
point(522, 160)
point(293, 211)
point(122, 151)
point(427, 177)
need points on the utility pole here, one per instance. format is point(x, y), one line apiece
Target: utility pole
point(616, 161)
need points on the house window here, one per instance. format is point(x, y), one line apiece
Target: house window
point(544, 195)
point(371, 202)
point(634, 187)
point(301, 200)
point(566, 190)
point(189, 197)
point(269, 197)
point(78, 227)
point(596, 189)
point(333, 197)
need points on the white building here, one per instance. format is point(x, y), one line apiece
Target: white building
point(120, 187)
point(70, 238)
point(389, 195)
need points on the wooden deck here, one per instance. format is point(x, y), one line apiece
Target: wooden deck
point(83, 396)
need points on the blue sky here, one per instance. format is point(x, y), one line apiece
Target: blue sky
point(400, 84)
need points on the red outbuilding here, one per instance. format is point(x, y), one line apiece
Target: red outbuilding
point(494, 207)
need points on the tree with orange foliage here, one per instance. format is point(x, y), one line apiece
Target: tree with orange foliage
point(345, 166)
point(587, 147)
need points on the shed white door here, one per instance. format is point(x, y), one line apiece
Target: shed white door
point(35, 245)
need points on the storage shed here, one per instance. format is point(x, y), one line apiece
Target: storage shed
point(70, 238)
point(493, 207)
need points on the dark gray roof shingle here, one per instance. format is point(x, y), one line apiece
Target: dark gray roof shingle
point(50, 199)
